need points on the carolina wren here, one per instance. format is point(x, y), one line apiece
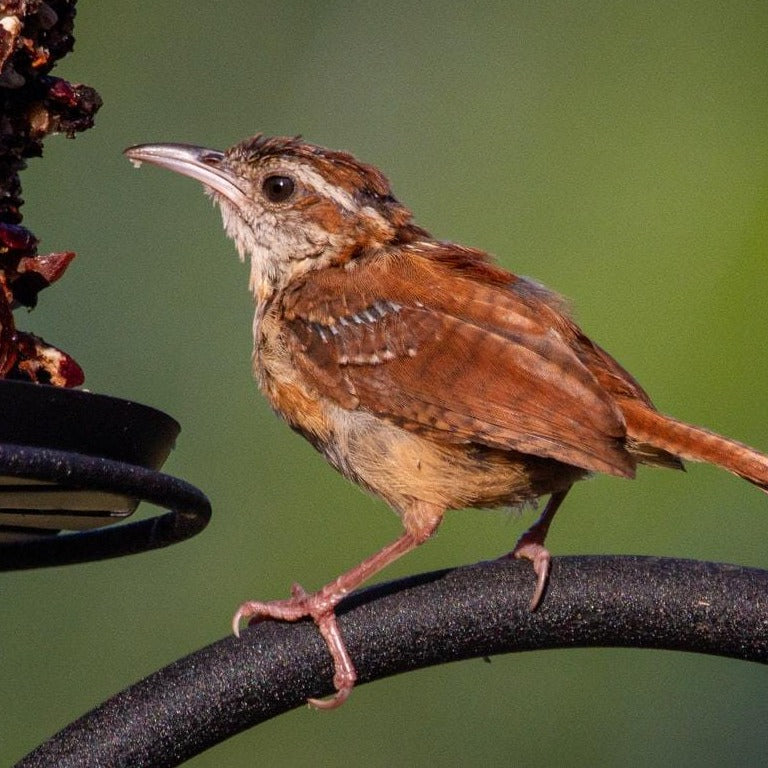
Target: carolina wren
point(420, 370)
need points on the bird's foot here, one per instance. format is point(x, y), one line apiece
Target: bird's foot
point(320, 607)
point(528, 547)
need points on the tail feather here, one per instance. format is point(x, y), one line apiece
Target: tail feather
point(649, 427)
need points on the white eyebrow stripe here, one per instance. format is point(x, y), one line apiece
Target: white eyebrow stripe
point(309, 178)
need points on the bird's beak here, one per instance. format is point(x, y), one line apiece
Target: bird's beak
point(205, 165)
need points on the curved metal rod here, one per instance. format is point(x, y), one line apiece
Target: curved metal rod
point(190, 513)
point(475, 611)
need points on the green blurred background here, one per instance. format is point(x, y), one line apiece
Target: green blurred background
point(616, 151)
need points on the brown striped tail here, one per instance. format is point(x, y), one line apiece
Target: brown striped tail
point(646, 426)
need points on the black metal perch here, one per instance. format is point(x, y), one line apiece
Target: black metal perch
point(72, 460)
point(433, 618)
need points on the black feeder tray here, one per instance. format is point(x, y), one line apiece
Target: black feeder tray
point(72, 464)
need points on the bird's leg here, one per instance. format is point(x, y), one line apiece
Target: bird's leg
point(320, 606)
point(530, 546)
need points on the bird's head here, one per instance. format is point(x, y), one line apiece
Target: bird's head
point(290, 206)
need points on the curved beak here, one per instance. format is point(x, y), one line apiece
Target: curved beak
point(205, 165)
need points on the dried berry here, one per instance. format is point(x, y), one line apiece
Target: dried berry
point(16, 238)
point(33, 35)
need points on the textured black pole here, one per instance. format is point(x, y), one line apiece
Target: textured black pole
point(190, 513)
point(433, 618)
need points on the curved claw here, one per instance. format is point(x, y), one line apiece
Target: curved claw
point(338, 698)
point(296, 607)
point(236, 619)
point(541, 560)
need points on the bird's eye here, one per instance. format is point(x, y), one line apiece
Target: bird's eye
point(277, 189)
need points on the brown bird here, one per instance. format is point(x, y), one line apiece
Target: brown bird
point(420, 370)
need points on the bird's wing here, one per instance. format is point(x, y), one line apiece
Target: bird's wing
point(457, 349)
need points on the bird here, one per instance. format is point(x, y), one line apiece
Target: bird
point(419, 368)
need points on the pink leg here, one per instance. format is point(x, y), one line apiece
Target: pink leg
point(321, 604)
point(530, 546)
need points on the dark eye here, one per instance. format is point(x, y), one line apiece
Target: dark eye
point(277, 189)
